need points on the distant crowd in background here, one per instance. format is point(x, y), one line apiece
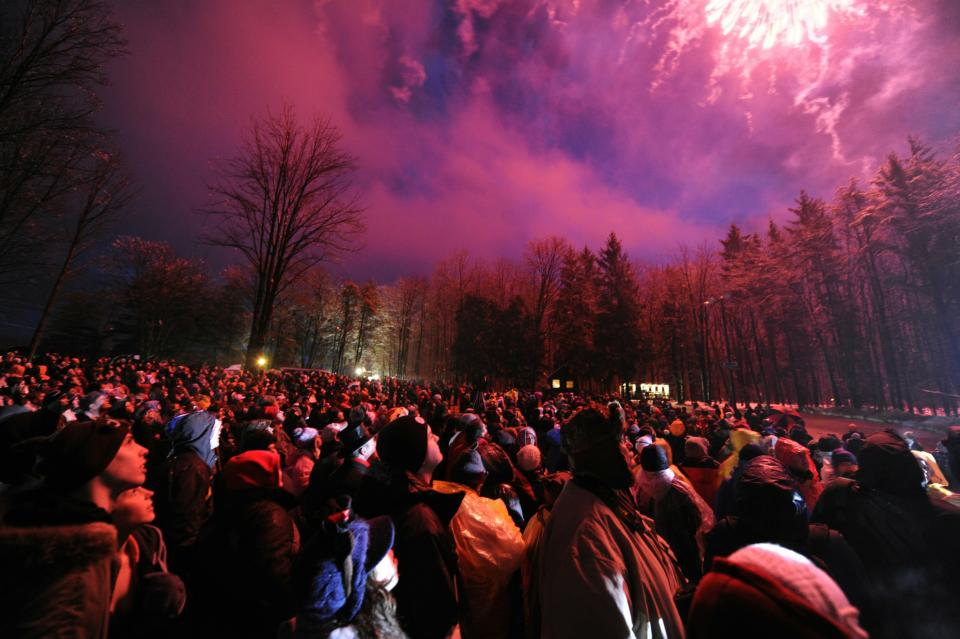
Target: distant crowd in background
point(153, 499)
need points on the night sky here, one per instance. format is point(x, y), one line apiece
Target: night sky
point(483, 124)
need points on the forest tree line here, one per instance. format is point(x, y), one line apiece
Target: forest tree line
point(851, 301)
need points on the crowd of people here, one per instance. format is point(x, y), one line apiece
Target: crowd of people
point(153, 499)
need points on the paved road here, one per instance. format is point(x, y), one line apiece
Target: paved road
point(819, 425)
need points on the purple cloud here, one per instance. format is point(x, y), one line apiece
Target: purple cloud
point(482, 124)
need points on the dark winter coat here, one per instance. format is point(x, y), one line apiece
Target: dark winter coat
point(680, 518)
point(903, 541)
point(426, 558)
point(158, 596)
point(58, 559)
point(187, 504)
point(769, 509)
point(254, 544)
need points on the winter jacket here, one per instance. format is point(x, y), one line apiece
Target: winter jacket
point(529, 572)
point(188, 503)
point(600, 578)
point(426, 558)
point(681, 517)
point(58, 559)
point(799, 462)
point(146, 596)
point(255, 543)
point(701, 469)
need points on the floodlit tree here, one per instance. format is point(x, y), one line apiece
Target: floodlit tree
point(544, 260)
point(287, 204)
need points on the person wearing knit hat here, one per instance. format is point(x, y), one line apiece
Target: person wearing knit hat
point(602, 569)
point(471, 432)
point(529, 459)
point(681, 516)
point(253, 469)
point(58, 542)
point(253, 521)
point(843, 463)
point(98, 459)
point(426, 554)
point(343, 579)
point(675, 436)
point(766, 589)
point(407, 446)
point(700, 468)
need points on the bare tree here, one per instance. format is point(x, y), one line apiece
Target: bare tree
point(287, 204)
point(52, 55)
point(544, 260)
point(107, 190)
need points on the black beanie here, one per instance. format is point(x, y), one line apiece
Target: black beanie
point(748, 452)
point(653, 458)
point(80, 451)
point(402, 444)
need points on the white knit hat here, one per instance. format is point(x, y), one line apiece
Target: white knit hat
point(799, 574)
point(528, 458)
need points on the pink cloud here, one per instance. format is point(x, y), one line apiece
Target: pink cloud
point(537, 117)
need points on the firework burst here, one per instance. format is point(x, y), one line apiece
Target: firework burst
point(767, 23)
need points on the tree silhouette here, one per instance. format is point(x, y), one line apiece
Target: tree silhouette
point(286, 204)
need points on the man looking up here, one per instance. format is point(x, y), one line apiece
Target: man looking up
point(426, 555)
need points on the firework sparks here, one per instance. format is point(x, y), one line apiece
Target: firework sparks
point(766, 23)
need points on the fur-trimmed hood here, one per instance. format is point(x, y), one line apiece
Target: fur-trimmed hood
point(41, 549)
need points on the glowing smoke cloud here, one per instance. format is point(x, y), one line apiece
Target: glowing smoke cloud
point(765, 23)
point(779, 44)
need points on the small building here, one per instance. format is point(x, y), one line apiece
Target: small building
point(562, 380)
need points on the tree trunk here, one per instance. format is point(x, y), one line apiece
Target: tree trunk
point(51, 299)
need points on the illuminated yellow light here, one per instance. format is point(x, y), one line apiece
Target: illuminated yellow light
point(261, 361)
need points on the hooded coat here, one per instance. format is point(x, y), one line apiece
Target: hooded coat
point(797, 459)
point(188, 503)
point(58, 559)
point(600, 578)
point(769, 510)
point(681, 517)
point(701, 469)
